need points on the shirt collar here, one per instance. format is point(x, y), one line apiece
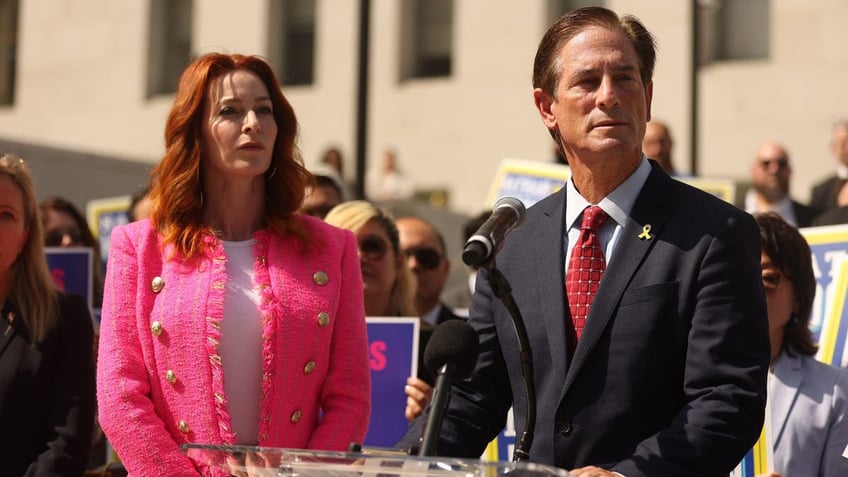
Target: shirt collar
point(783, 207)
point(617, 204)
point(432, 316)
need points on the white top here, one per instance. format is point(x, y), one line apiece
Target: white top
point(241, 343)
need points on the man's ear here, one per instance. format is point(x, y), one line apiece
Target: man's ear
point(544, 102)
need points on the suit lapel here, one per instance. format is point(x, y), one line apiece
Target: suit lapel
point(629, 255)
point(550, 263)
point(783, 390)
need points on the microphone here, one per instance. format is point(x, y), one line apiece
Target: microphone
point(507, 214)
point(451, 354)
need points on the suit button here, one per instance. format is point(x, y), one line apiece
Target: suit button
point(156, 328)
point(309, 368)
point(170, 376)
point(183, 427)
point(295, 417)
point(565, 427)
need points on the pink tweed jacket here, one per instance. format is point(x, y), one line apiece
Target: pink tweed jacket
point(159, 378)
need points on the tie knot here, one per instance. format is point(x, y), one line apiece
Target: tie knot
point(593, 218)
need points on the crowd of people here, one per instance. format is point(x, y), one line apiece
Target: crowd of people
point(666, 325)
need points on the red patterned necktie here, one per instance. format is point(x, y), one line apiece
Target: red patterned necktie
point(585, 269)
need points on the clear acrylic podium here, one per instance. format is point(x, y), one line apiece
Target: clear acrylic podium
point(243, 461)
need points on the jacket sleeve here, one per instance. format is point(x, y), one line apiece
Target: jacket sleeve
point(70, 412)
point(127, 412)
point(346, 393)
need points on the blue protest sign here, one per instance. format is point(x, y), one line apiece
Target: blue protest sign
point(71, 269)
point(393, 354)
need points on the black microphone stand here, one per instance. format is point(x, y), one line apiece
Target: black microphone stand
point(438, 408)
point(503, 291)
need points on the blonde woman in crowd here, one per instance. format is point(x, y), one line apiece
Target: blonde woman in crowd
point(388, 283)
point(46, 337)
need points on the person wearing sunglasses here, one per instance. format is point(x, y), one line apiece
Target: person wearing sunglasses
point(47, 398)
point(326, 193)
point(808, 400)
point(424, 249)
point(388, 283)
point(66, 226)
point(769, 192)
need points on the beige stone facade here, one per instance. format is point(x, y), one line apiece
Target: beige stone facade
point(81, 86)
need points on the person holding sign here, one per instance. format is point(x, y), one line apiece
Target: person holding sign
point(46, 365)
point(808, 400)
point(66, 226)
point(641, 295)
point(229, 318)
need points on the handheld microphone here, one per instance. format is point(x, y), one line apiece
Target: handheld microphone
point(451, 354)
point(507, 214)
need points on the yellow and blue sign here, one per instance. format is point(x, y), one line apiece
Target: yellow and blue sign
point(527, 181)
point(828, 322)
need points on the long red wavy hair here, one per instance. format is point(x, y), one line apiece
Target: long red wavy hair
point(176, 188)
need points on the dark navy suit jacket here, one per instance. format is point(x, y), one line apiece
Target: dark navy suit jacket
point(669, 377)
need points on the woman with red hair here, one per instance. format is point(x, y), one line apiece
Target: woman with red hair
point(228, 318)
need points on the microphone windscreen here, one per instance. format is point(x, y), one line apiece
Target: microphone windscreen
point(517, 207)
point(454, 342)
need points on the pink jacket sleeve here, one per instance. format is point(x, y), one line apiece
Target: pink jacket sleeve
point(126, 410)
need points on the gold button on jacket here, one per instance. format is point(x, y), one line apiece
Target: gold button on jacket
point(157, 284)
point(320, 278)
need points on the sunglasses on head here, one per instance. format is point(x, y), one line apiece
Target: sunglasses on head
point(373, 248)
point(54, 238)
point(427, 257)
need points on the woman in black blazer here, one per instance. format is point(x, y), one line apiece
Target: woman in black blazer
point(47, 396)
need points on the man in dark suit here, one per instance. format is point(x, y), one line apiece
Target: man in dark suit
point(770, 176)
point(426, 255)
point(826, 194)
point(668, 375)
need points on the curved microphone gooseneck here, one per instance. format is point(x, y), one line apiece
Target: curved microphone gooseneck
point(503, 291)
